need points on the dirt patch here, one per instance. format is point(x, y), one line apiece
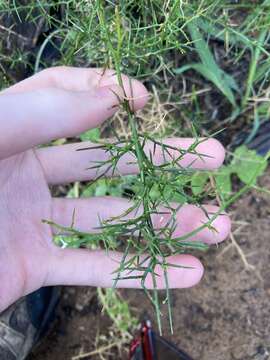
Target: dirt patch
point(226, 317)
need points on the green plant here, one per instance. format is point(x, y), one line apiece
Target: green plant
point(154, 189)
point(159, 38)
point(208, 66)
point(120, 333)
point(124, 323)
point(245, 163)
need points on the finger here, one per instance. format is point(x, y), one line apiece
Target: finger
point(63, 164)
point(67, 78)
point(96, 268)
point(89, 213)
point(37, 117)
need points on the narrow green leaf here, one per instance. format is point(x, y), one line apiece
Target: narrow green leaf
point(208, 67)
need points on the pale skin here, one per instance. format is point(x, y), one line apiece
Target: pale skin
point(57, 103)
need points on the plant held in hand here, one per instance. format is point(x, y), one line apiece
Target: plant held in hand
point(148, 228)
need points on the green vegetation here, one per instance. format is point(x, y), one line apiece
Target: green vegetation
point(216, 39)
point(245, 163)
point(208, 61)
point(122, 328)
point(118, 310)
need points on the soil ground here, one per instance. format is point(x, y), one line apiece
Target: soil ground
point(226, 317)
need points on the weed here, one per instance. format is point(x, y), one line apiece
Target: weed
point(156, 186)
point(120, 332)
point(208, 67)
point(245, 163)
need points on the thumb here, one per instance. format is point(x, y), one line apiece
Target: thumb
point(47, 114)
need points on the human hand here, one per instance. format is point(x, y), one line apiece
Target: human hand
point(63, 102)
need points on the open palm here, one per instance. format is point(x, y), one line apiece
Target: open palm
point(63, 102)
